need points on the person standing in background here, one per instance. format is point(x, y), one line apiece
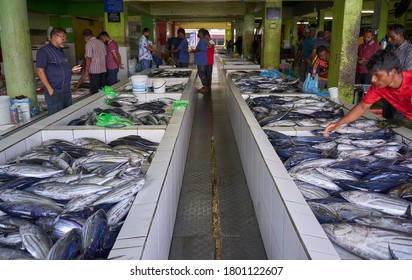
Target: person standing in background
point(201, 59)
point(365, 52)
point(305, 49)
point(403, 50)
point(239, 45)
point(53, 69)
point(210, 59)
point(95, 62)
point(113, 58)
point(174, 43)
point(182, 49)
point(145, 49)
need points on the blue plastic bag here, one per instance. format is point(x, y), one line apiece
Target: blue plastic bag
point(310, 85)
point(270, 73)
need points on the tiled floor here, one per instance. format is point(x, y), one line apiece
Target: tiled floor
point(238, 230)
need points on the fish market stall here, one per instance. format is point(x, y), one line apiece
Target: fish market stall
point(136, 109)
point(293, 188)
point(262, 82)
point(148, 227)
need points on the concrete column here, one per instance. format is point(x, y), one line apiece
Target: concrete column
point(16, 47)
point(239, 28)
point(271, 34)
point(228, 32)
point(294, 29)
point(248, 32)
point(232, 31)
point(343, 56)
point(287, 23)
point(380, 18)
point(117, 30)
point(321, 20)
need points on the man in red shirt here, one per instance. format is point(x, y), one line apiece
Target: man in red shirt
point(365, 52)
point(210, 59)
point(388, 82)
point(113, 58)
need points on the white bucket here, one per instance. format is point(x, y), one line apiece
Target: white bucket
point(333, 92)
point(24, 105)
point(139, 83)
point(5, 110)
point(159, 85)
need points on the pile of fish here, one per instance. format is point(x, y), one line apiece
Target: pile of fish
point(252, 82)
point(358, 183)
point(172, 88)
point(164, 73)
point(126, 106)
point(276, 110)
point(68, 200)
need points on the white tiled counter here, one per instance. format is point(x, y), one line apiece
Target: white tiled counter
point(148, 228)
point(288, 226)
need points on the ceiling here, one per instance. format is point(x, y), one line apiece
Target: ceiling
point(223, 11)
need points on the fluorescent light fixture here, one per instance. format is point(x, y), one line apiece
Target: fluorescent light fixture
point(303, 22)
point(328, 18)
point(367, 11)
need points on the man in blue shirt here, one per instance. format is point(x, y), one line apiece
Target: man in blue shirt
point(201, 60)
point(182, 50)
point(54, 72)
point(304, 51)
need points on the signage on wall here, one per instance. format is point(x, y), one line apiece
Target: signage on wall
point(272, 13)
point(113, 6)
point(113, 17)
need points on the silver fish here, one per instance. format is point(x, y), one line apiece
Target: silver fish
point(119, 211)
point(120, 193)
point(336, 174)
point(373, 143)
point(310, 191)
point(35, 240)
point(312, 164)
point(311, 176)
point(349, 130)
point(393, 223)
point(29, 170)
point(369, 242)
point(80, 203)
point(12, 254)
point(62, 191)
point(12, 240)
point(93, 233)
point(342, 212)
point(67, 247)
point(381, 202)
point(12, 195)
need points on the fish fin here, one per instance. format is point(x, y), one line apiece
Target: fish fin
point(392, 253)
point(80, 177)
point(408, 214)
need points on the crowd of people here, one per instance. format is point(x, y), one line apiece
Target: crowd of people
point(101, 66)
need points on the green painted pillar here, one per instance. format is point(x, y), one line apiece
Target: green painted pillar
point(294, 28)
point(147, 21)
point(117, 30)
point(287, 23)
point(343, 57)
point(248, 35)
point(271, 34)
point(321, 20)
point(232, 30)
point(380, 18)
point(239, 28)
point(228, 33)
point(16, 47)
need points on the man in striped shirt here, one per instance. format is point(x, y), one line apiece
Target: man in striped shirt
point(95, 62)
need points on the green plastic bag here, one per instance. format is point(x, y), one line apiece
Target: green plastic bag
point(179, 104)
point(110, 121)
point(110, 93)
